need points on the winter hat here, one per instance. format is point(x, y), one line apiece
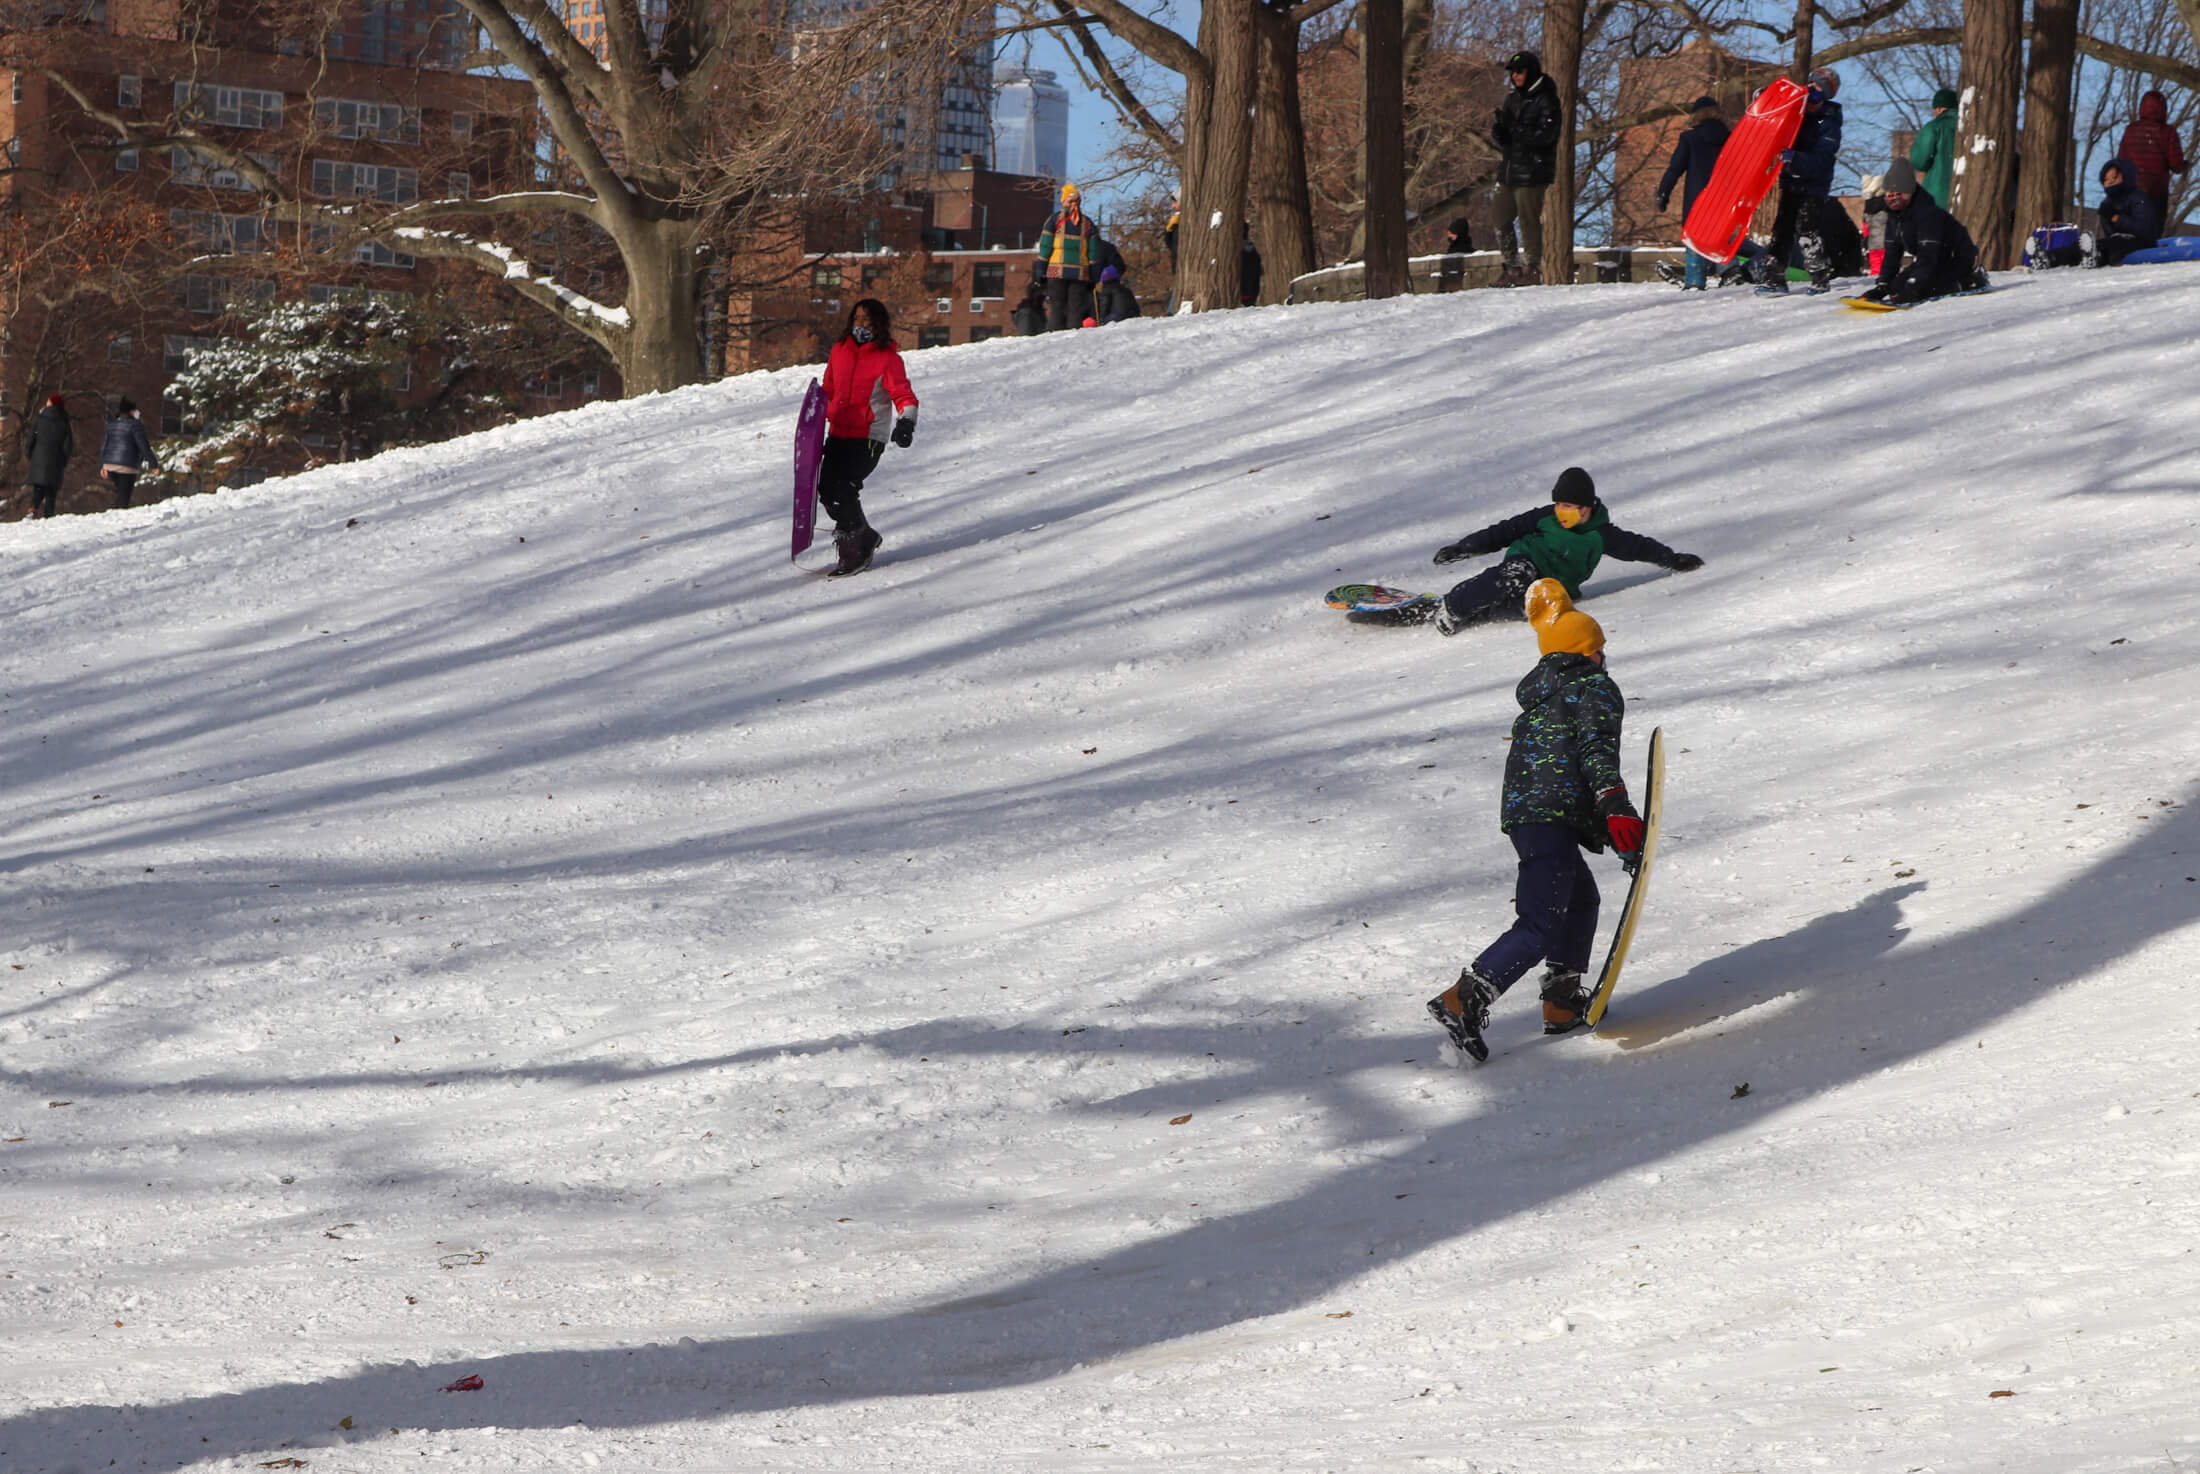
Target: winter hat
point(126, 406)
point(1069, 192)
point(1574, 485)
point(1525, 61)
point(57, 401)
point(1945, 97)
point(2120, 165)
point(1559, 626)
point(1704, 104)
point(1901, 178)
point(1826, 80)
point(1110, 273)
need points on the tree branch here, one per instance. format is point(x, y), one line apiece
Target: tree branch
point(607, 327)
point(1135, 112)
point(1149, 36)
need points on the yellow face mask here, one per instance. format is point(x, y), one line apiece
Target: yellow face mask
point(1569, 515)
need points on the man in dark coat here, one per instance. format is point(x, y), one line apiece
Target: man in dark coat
point(1563, 794)
point(1526, 133)
point(1943, 258)
point(50, 446)
point(2128, 221)
point(1565, 541)
point(1694, 157)
point(124, 451)
point(1806, 178)
point(2152, 147)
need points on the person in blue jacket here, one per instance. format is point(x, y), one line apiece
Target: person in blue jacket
point(1565, 541)
point(1694, 157)
point(2127, 217)
point(1806, 179)
point(124, 451)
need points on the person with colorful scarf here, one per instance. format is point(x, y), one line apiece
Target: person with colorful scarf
point(1069, 260)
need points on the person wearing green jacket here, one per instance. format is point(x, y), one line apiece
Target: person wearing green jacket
point(1933, 152)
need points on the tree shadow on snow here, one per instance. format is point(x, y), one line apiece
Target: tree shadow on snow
point(1854, 998)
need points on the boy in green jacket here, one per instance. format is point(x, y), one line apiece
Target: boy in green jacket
point(1565, 542)
point(1933, 151)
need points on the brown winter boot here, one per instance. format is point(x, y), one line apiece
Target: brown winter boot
point(1565, 1000)
point(855, 550)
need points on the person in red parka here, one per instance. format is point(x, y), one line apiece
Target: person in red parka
point(2152, 147)
point(865, 386)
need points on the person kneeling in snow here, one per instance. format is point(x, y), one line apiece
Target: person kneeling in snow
point(1566, 542)
point(1943, 259)
point(1563, 794)
point(2127, 217)
point(864, 379)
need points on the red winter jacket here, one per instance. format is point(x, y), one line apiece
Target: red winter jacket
point(2152, 146)
point(864, 388)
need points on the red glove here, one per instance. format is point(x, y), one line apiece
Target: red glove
point(1626, 832)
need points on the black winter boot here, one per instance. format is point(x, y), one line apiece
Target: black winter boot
point(1565, 1000)
point(855, 550)
point(1464, 1011)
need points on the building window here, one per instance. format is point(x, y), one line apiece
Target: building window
point(383, 122)
point(980, 335)
point(121, 348)
point(939, 278)
point(190, 166)
point(460, 186)
point(15, 88)
point(15, 150)
point(824, 278)
point(989, 279)
point(591, 384)
point(127, 93)
point(338, 179)
point(126, 160)
point(177, 348)
point(935, 337)
point(221, 235)
point(873, 275)
point(232, 107)
point(462, 125)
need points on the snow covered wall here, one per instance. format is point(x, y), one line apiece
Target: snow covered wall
point(479, 913)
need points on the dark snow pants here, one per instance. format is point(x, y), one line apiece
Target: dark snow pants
point(1497, 592)
point(1069, 303)
point(847, 460)
point(1555, 901)
point(1796, 223)
point(42, 499)
point(122, 485)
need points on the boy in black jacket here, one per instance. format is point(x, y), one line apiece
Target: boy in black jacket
point(1563, 794)
point(1566, 543)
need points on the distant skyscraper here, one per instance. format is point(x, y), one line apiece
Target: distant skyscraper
point(1030, 122)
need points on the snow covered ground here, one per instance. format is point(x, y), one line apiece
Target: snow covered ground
point(479, 913)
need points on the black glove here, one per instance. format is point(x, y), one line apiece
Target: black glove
point(904, 432)
point(1685, 563)
point(1464, 548)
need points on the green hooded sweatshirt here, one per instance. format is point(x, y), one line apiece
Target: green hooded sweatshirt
point(1568, 554)
point(1933, 155)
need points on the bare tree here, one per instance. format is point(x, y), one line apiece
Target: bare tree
point(1986, 125)
point(2043, 168)
point(1383, 144)
point(1565, 24)
point(1281, 201)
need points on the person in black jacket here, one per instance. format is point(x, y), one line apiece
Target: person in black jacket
point(1526, 134)
point(1565, 541)
point(2128, 221)
point(1030, 314)
point(1942, 257)
point(1694, 157)
point(1563, 794)
point(124, 452)
point(51, 445)
point(1806, 179)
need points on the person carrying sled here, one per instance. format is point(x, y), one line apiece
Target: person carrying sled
point(864, 383)
point(1563, 794)
point(1942, 257)
point(2128, 220)
point(1806, 180)
point(1564, 541)
point(1694, 157)
point(1526, 133)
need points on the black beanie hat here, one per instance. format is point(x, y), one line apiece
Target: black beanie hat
point(1575, 486)
point(1900, 178)
point(1525, 61)
point(126, 405)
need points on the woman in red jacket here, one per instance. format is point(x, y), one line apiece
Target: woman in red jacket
point(864, 388)
point(2155, 153)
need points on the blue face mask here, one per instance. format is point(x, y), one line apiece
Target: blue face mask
point(860, 333)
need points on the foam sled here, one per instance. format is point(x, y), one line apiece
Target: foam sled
point(1748, 167)
point(1653, 807)
point(809, 454)
point(1865, 304)
point(2171, 248)
point(1372, 603)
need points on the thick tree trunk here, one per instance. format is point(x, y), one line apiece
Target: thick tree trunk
point(663, 344)
point(1282, 201)
point(1218, 149)
point(1562, 34)
point(1383, 145)
point(1986, 128)
point(1806, 38)
point(2043, 173)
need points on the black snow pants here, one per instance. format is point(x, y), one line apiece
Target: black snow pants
point(1497, 592)
point(847, 460)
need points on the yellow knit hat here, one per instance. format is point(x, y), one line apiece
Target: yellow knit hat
point(1559, 626)
point(1069, 192)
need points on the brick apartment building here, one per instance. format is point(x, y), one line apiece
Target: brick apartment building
point(950, 254)
point(373, 107)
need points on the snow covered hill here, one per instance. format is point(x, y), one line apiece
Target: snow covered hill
point(479, 913)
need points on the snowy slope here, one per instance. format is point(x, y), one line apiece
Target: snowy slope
point(478, 912)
